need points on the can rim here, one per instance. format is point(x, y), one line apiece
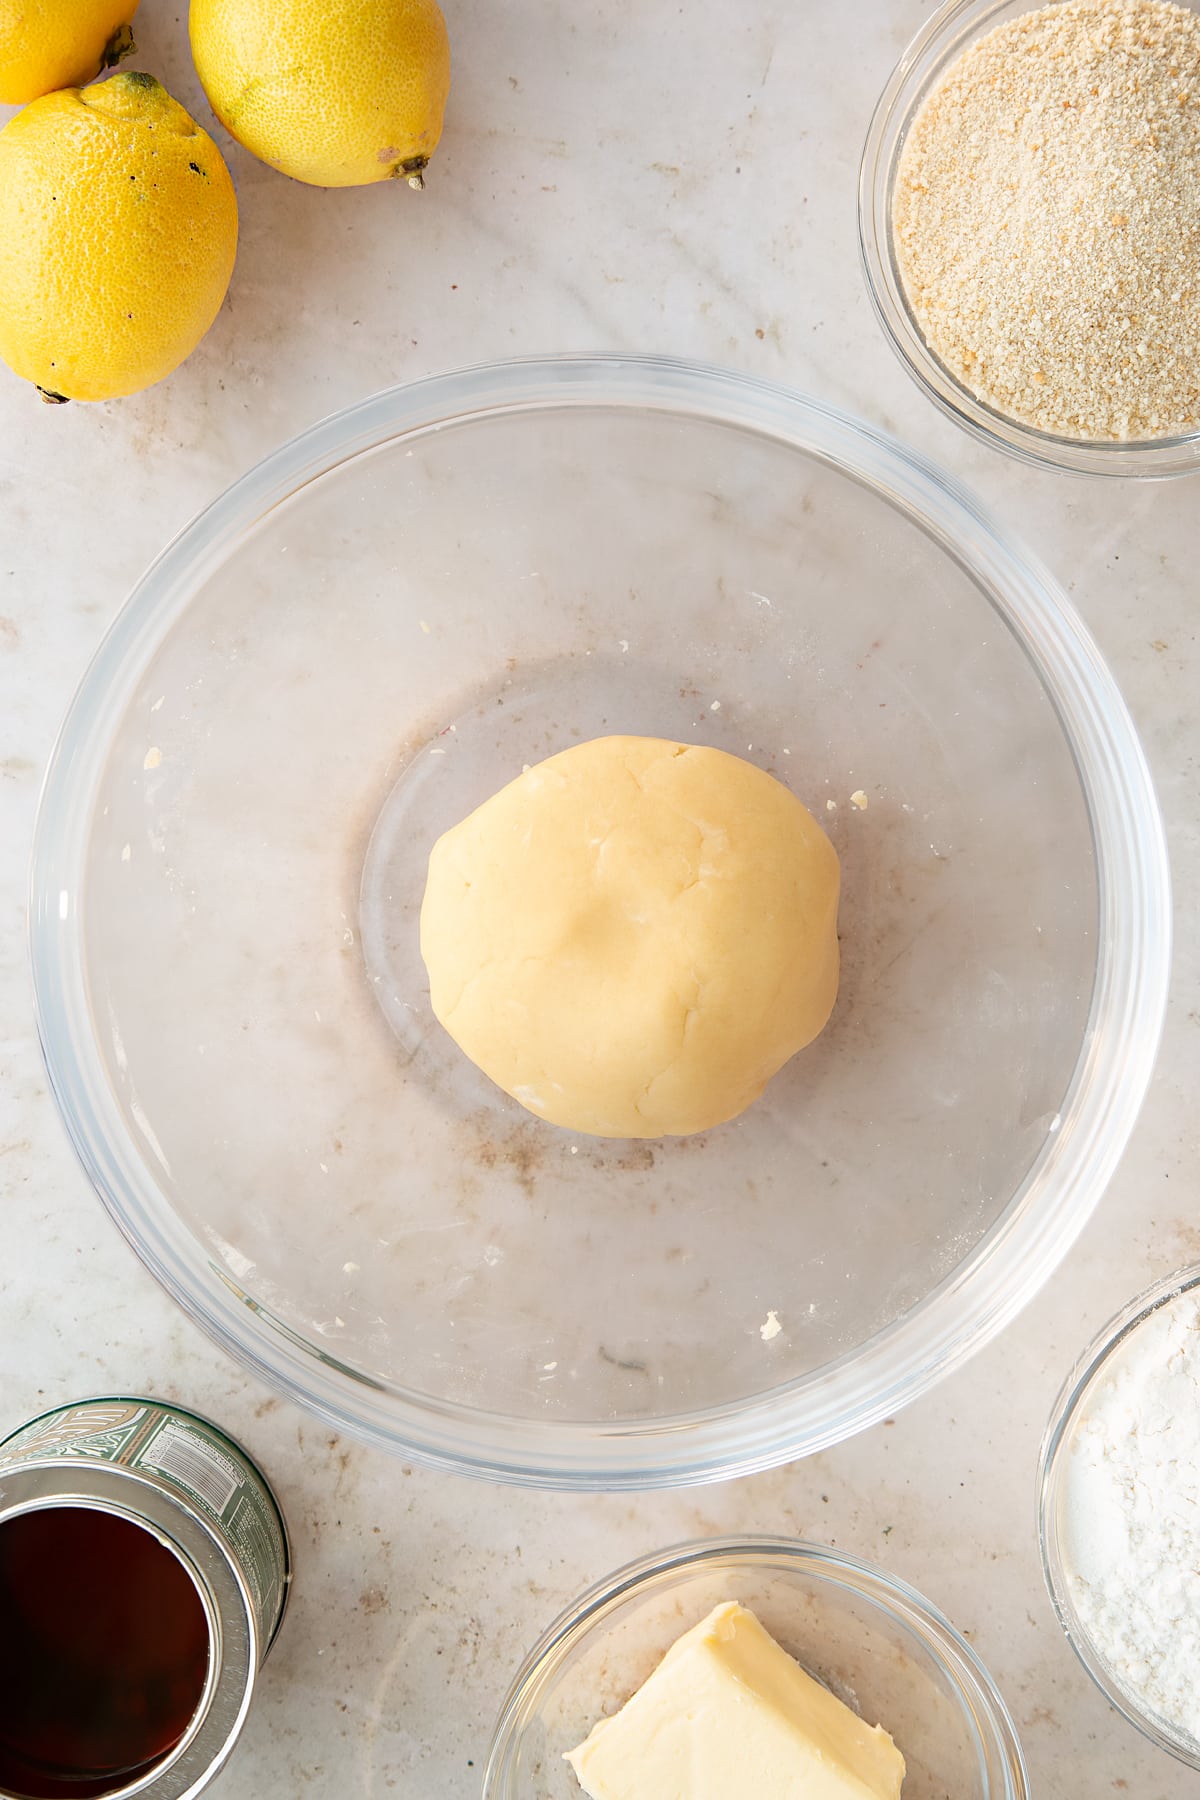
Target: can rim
point(234, 1654)
point(186, 1412)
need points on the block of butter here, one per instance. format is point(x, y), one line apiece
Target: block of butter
point(729, 1715)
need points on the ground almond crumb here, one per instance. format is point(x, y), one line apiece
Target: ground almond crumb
point(1046, 219)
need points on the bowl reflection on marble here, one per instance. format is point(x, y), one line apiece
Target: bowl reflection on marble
point(375, 629)
point(868, 1637)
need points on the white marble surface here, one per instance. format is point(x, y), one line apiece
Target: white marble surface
point(629, 175)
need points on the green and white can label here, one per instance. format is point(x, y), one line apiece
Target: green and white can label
point(210, 1474)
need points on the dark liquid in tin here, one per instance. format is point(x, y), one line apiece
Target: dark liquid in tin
point(103, 1652)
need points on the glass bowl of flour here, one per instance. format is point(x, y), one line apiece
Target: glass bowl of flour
point(1120, 1512)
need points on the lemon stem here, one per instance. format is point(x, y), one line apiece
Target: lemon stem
point(119, 45)
point(53, 399)
point(412, 170)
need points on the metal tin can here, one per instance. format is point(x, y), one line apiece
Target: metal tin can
point(81, 1476)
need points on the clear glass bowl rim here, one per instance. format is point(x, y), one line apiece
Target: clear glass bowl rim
point(1051, 1475)
point(943, 36)
point(1041, 1220)
point(973, 1685)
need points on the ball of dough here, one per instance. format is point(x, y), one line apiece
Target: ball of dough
point(633, 936)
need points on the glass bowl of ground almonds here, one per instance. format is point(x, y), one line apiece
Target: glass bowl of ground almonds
point(1029, 217)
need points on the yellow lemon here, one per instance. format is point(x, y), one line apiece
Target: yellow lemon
point(118, 230)
point(48, 44)
point(333, 92)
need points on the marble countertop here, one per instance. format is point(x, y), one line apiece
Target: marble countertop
point(632, 175)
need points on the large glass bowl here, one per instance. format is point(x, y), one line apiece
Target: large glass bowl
point(373, 630)
point(939, 43)
point(871, 1639)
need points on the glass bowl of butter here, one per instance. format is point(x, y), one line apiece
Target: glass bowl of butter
point(350, 653)
point(784, 1666)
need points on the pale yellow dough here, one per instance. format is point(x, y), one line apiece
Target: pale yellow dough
point(633, 936)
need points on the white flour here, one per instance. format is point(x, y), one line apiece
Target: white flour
point(1131, 1536)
